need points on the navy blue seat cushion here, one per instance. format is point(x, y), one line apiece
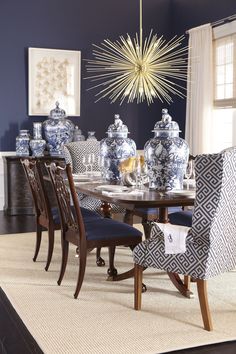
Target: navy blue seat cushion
point(86, 213)
point(154, 211)
point(146, 211)
point(105, 229)
point(183, 218)
point(55, 215)
point(174, 209)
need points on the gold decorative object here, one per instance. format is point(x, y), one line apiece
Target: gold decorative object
point(139, 69)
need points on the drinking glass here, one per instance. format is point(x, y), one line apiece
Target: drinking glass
point(189, 171)
point(138, 173)
point(91, 162)
point(105, 168)
point(86, 162)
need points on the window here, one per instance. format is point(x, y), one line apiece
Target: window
point(225, 85)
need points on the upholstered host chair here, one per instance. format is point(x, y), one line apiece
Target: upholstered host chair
point(74, 153)
point(86, 234)
point(46, 217)
point(210, 242)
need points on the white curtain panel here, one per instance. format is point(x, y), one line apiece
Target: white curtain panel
point(199, 112)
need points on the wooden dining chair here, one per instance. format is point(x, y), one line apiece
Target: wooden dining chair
point(210, 241)
point(100, 232)
point(47, 217)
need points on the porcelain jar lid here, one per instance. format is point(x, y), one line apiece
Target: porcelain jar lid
point(166, 124)
point(117, 127)
point(57, 112)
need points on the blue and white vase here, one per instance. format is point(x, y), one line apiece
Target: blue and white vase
point(22, 143)
point(166, 155)
point(37, 144)
point(115, 148)
point(58, 131)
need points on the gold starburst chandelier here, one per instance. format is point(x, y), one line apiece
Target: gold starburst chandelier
point(139, 69)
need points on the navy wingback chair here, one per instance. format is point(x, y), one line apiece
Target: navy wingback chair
point(210, 241)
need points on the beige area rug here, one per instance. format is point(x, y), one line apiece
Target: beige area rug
point(102, 319)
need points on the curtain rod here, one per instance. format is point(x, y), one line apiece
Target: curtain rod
point(221, 22)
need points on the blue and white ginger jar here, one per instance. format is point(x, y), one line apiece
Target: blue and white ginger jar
point(115, 148)
point(58, 131)
point(37, 144)
point(22, 143)
point(166, 155)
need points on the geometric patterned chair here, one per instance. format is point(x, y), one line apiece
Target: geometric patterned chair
point(211, 240)
point(73, 153)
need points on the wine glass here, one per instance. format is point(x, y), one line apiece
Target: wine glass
point(92, 162)
point(105, 168)
point(86, 162)
point(138, 172)
point(189, 171)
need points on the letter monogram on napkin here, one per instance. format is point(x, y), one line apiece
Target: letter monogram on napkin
point(175, 238)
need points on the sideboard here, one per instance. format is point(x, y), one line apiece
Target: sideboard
point(18, 199)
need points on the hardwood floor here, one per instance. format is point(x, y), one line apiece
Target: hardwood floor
point(26, 223)
point(16, 223)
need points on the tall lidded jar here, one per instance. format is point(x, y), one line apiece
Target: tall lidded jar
point(166, 155)
point(58, 131)
point(115, 148)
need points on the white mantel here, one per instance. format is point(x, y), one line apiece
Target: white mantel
point(3, 153)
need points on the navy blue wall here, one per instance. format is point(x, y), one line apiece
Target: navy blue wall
point(76, 24)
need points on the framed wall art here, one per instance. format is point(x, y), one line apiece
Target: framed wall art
point(54, 75)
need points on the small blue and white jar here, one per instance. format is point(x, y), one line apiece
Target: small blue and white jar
point(166, 155)
point(114, 149)
point(22, 143)
point(58, 131)
point(37, 144)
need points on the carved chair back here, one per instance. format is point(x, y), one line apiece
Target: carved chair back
point(35, 178)
point(71, 218)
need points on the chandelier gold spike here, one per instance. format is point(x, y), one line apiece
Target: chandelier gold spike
point(138, 69)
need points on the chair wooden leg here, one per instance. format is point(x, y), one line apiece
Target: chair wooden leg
point(147, 226)
point(38, 241)
point(178, 283)
point(99, 260)
point(112, 272)
point(187, 281)
point(50, 246)
point(203, 299)
point(65, 250)
point(138, 278)
point(82, 266)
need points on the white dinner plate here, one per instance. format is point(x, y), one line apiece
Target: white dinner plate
point(183, 192)
point(190, 181)
point(81, 178)
point(112, 188)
